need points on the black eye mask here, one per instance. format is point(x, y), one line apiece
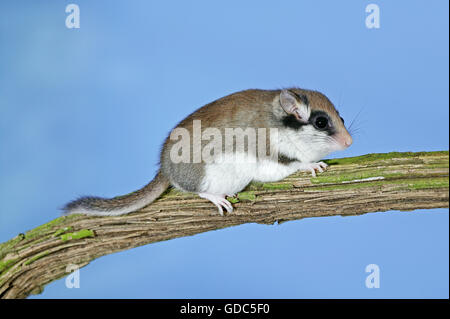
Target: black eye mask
point(318, 119)
point(291, 122)
point(322, 122)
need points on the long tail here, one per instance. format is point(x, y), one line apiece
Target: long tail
point(121, 204)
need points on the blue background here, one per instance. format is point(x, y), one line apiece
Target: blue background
point(84, 111)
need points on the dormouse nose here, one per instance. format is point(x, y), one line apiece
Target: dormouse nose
point(344, 139)
point(348, 140)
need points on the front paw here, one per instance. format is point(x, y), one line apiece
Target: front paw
point(313, 167)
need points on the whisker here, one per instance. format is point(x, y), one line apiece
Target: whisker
point(354, 119)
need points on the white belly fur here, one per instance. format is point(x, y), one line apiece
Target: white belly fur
point(232, 175)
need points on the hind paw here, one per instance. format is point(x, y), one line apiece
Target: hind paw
point(219, 200)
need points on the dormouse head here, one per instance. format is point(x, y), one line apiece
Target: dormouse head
point(313, 122)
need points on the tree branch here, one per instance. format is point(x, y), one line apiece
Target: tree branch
point(351, 186)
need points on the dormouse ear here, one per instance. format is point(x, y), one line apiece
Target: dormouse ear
point(291, 105)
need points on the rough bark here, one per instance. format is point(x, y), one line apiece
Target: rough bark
point(351, 186)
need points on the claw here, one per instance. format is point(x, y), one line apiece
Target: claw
point(313, 167)
point(323, 165)
point(218, 200)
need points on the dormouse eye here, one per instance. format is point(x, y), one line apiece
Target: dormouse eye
point(343, 122)
point(321, 122)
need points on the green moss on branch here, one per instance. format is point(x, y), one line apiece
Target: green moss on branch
point(383, 156)
point(36, 257)
point(78, 235)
